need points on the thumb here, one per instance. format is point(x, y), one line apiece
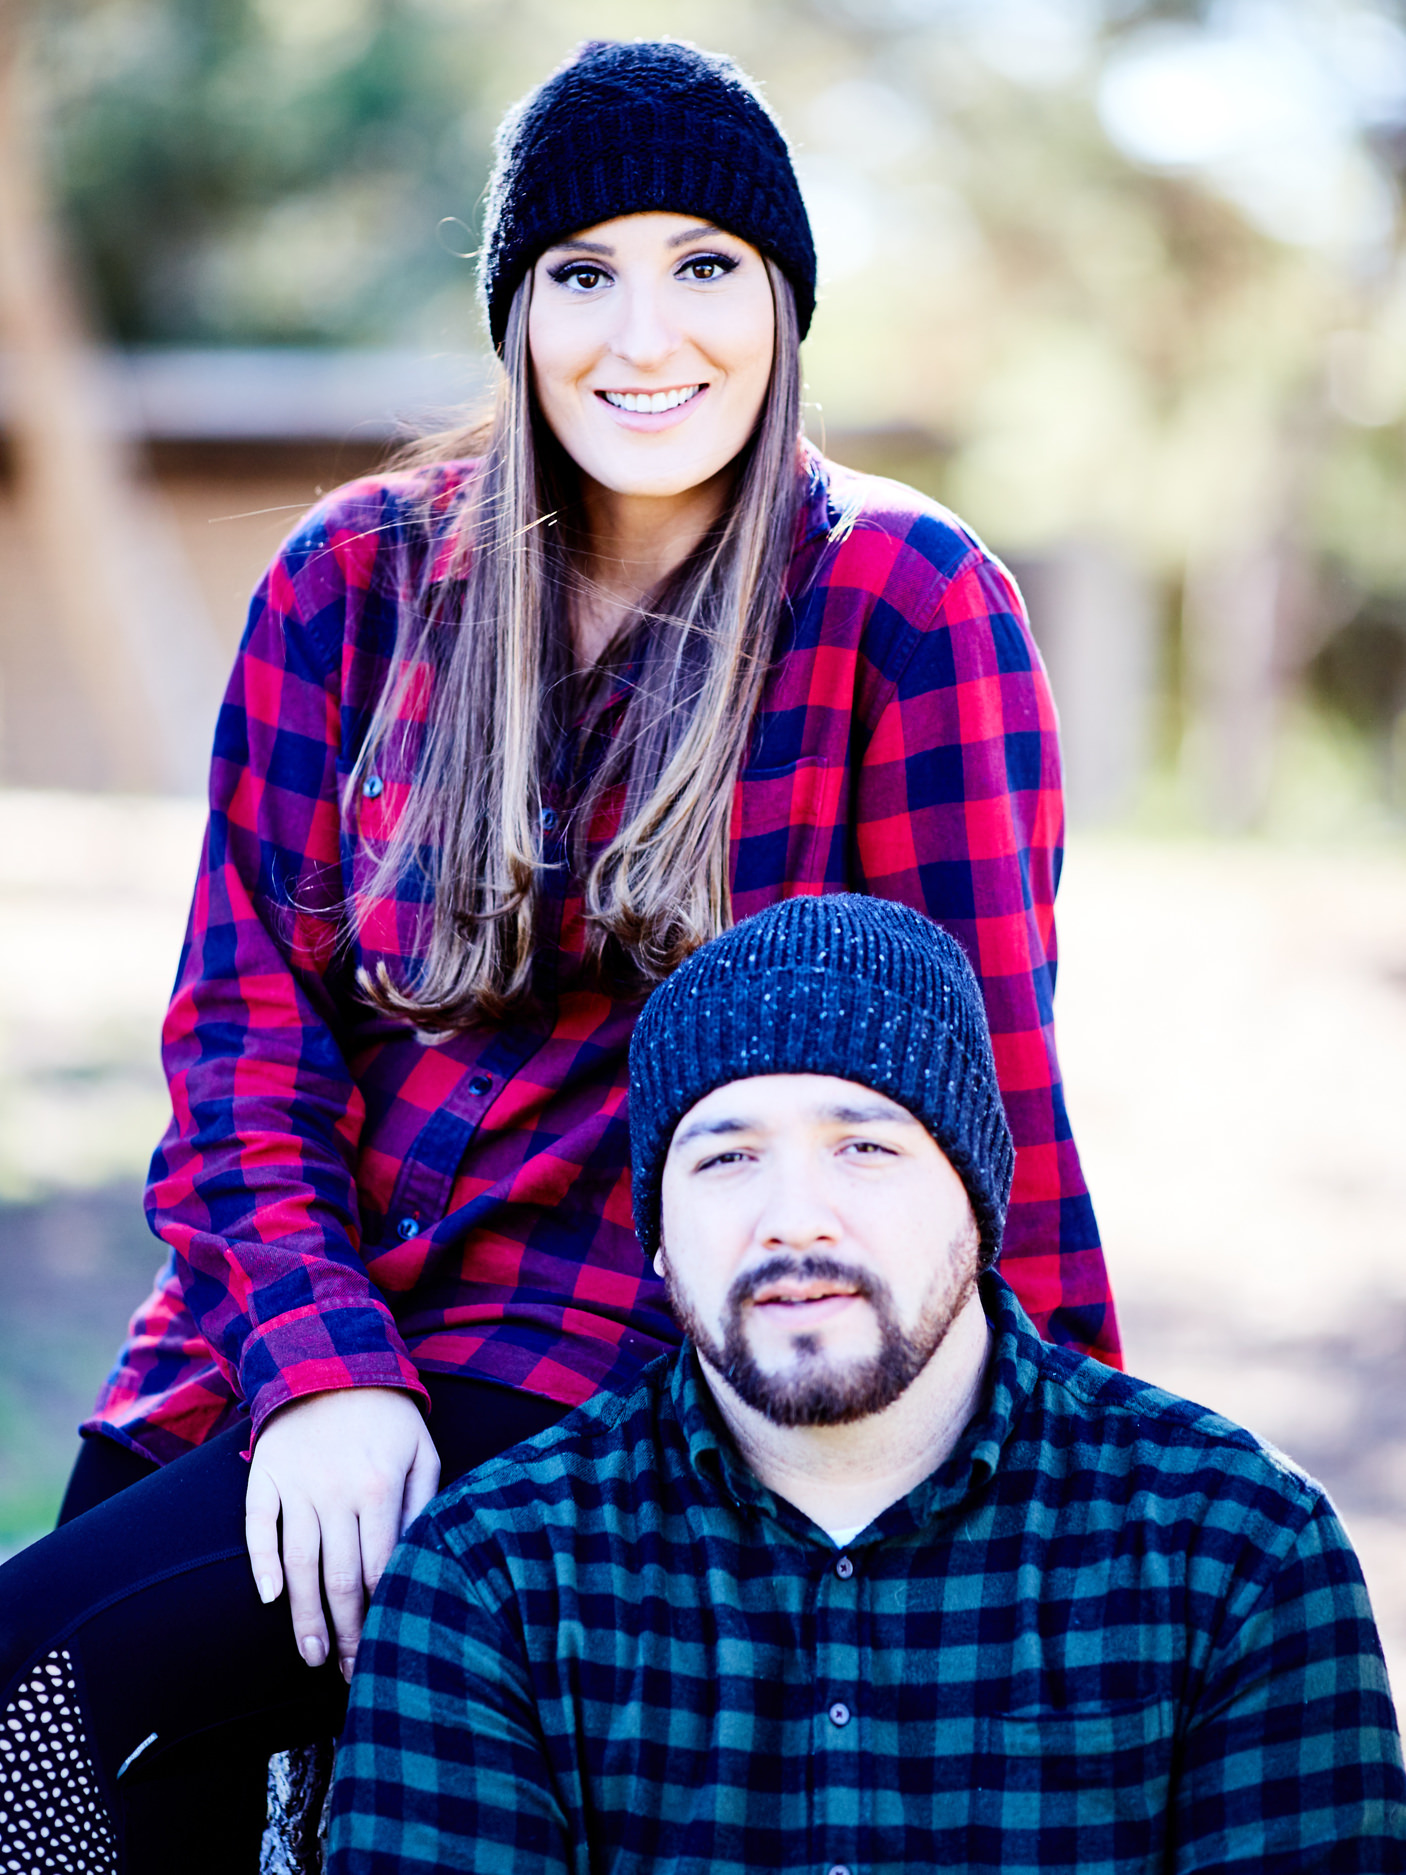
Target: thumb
point(421, 1481)
point(261, 1507)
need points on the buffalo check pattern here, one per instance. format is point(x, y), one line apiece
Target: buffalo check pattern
point(1112, 1634)
point(344, 1203)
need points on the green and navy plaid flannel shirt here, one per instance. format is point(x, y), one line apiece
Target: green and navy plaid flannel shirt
point(1112, 1632)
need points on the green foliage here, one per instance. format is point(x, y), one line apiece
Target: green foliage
point(260, 171)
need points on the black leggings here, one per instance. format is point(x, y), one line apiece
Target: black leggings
point(138, 1662)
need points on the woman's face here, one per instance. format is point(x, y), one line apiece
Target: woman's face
point(651, 339)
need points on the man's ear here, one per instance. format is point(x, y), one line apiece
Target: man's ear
point(659, 1260)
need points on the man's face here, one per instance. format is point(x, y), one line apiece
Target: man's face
point(817, 1245)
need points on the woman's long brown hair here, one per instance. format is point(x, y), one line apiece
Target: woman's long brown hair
point(495, 636)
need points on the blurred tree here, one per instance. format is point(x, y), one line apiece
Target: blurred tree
point(268, 171)
point(1175, 355)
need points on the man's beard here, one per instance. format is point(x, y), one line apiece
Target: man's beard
point(816, 1392)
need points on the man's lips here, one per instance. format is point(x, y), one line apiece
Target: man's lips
point(799, 1293)
point(804, 1314)
point(792, 1293)
point(794, 1304)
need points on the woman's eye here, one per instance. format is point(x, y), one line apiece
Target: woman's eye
point(580, 275)
point(707, 267)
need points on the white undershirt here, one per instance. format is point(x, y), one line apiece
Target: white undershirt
point(843, 1538)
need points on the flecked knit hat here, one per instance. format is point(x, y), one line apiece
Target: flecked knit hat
point(860, 988)
point(623, 128)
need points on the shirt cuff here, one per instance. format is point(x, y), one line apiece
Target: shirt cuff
point(325, 1351)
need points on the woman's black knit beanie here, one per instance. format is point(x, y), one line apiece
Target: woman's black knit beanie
point(625, 127)
point(860, 988)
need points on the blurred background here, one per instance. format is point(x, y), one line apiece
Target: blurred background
point(1124, 283)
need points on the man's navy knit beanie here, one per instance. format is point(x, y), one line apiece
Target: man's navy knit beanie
point(624, 128)
point(860, 988)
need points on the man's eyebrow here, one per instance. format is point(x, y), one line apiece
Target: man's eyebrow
point(865, 1116)
point(841, 1114)
point(701, 1129)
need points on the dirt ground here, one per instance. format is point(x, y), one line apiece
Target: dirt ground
point(1232, 1020)
point(1232, 1024)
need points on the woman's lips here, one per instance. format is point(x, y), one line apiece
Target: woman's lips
point(647, 420)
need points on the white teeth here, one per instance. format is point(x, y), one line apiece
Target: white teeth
point(651, 401)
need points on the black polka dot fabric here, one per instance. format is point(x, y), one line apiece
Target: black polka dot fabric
point(52, 1817)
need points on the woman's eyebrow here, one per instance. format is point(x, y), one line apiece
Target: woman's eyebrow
point(584, 247)
point(692, 234)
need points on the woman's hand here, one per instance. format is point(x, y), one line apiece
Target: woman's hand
point(348, 1471)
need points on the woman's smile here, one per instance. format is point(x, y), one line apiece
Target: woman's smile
point(655, 402)
point(644, 411)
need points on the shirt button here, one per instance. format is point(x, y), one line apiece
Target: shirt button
point(844, 1568)
point(839, 1713)
point(480, 1083)
point(549, 818)
point(407, 1228)
point(837, 1868)
point(372, 786)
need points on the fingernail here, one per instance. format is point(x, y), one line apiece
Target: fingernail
point(347, 1666)
point(267, 1591)
point(313, 1650)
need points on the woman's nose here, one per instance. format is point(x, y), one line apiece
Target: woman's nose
point(645, 336)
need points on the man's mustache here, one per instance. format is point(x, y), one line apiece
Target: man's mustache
point(801, 1269)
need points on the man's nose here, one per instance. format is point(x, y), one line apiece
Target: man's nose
point(796, 1213)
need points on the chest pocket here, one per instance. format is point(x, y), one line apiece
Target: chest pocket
point(788, 833)
point(1095, 1779)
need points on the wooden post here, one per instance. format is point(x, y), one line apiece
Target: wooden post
point(1232, 632)
point(96, 541)
point(1093, 617)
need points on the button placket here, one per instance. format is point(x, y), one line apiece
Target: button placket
point(841, 1799)
point(423, 1190)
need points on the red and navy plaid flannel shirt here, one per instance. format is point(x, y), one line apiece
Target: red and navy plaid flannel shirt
point(346, 1203)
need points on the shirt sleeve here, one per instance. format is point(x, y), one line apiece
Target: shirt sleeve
point(960, 813)
point(253, 1185)
point(1292, 1760)
point(442, 1763)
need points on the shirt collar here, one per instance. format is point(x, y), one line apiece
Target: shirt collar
point(1017, 1357)
point(818, 513)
